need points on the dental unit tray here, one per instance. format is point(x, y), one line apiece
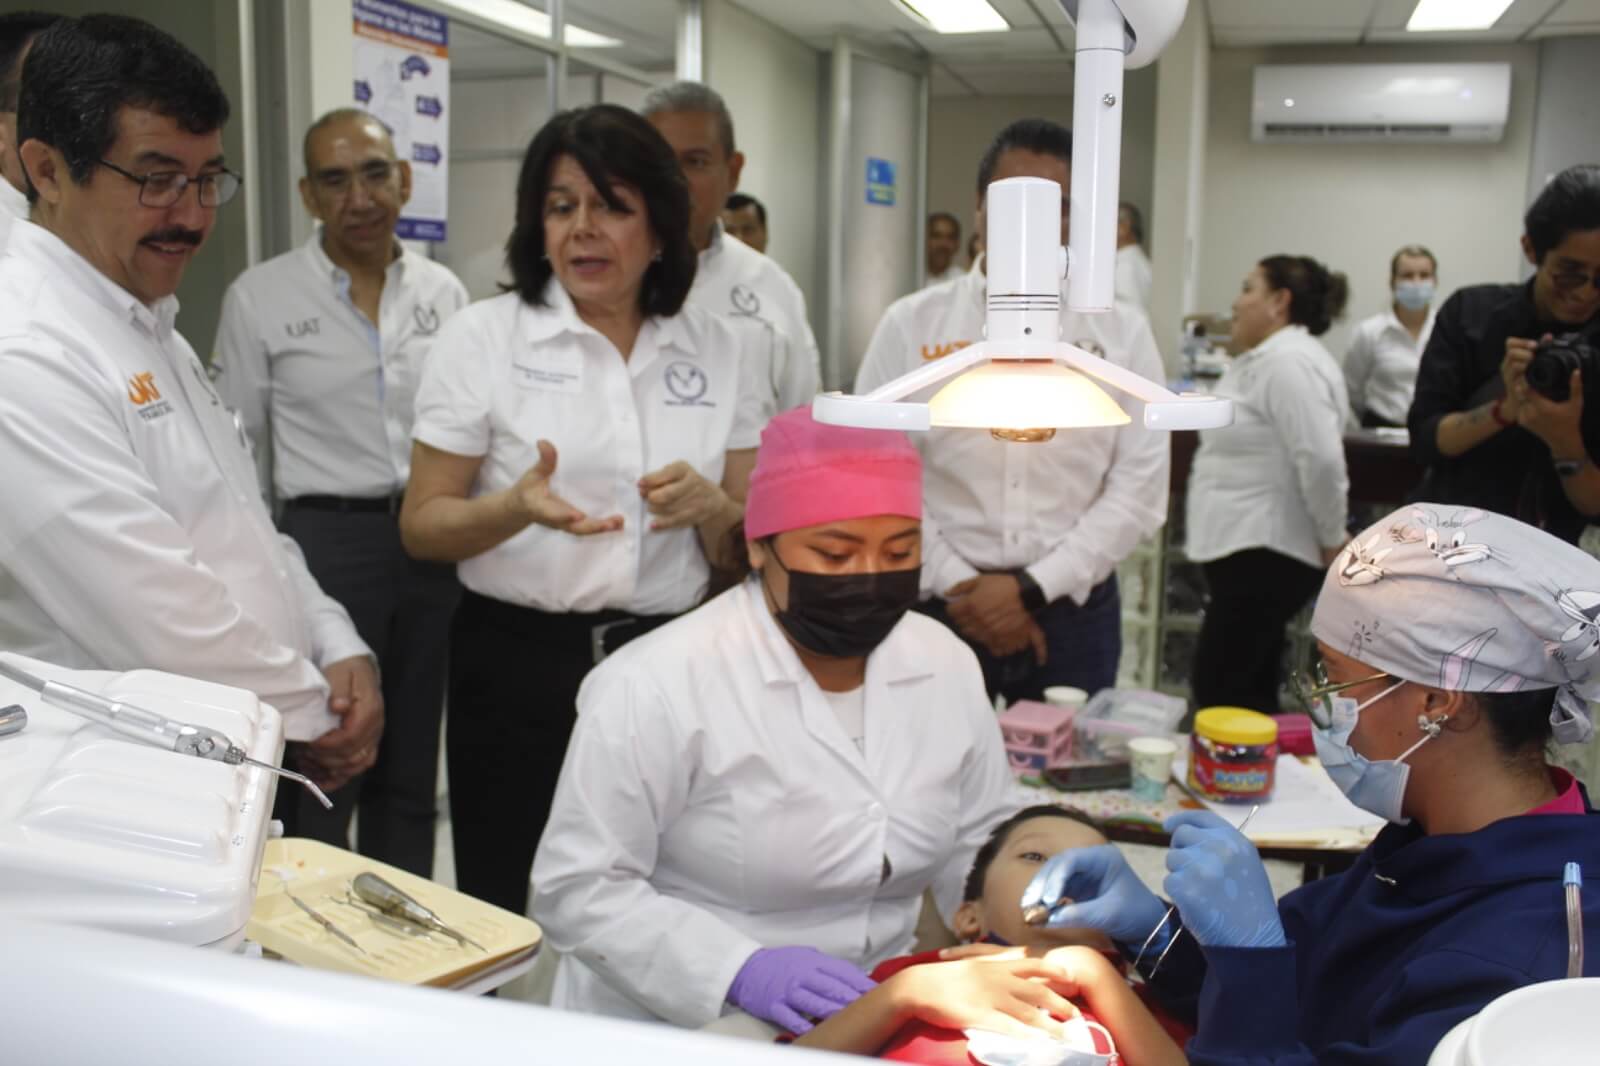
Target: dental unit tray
point(98, 831)
point(323, 876)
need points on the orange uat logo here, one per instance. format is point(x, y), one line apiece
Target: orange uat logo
point(142, 389)
point(930, 352)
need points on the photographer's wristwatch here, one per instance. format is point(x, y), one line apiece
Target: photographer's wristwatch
point(1568, 467)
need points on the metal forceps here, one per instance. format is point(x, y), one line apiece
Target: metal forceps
point(1171, 910)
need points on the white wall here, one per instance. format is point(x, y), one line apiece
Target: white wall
point(1352, 205)
point(1566, 131)
point(960, 128)
point(771, 81)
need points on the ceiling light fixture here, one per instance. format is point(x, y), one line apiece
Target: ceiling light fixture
point(1435, 15)
point(535, 23)
point(956, 16)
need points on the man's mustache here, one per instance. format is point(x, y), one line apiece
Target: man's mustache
point(176, 235)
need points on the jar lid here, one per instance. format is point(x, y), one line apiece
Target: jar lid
point(1235, 725)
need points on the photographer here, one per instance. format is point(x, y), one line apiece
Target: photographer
point(1491, 435)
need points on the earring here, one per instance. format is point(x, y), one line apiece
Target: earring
point(1431, 726)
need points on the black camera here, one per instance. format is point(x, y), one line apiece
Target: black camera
point(1550, 370)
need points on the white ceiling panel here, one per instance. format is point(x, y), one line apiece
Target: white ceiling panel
point(1288, 14)
point(1495, 35)
point(1037, 41)
point(1247, 36)
point(1573, 12)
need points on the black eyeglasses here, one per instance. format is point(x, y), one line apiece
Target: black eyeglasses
point(1568, 280)
point(166, 187)
point(1315, 693)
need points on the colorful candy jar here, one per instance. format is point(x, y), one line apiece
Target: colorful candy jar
point(1233, 755)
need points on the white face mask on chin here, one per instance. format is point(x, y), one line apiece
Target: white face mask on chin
point(1376, 787)
point(1075, 1048)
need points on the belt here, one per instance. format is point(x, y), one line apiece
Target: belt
point(347, 504)
point(602, 632)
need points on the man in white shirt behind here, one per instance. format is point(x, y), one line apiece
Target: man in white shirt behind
point(1133, 275)
point(940, 246)
point(17, 31)
point(732, 279)
point(320, 351)
point(133, 534)
point(1020, 542)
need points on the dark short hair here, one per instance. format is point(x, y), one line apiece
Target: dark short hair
point(16, 29)
point(997, 840)
point(945, 216)
point(613, 146)
point(739, 201)
point(1135, 219)
point(1317, 295)
point(340, 114)
point(83, 72)
point(1415, 251)
point(693, 96)
point(1038, 135)
point(1519, 722)
point(1570, 203)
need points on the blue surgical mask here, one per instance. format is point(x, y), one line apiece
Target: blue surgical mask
point(1413, 295)
point(1376, 787)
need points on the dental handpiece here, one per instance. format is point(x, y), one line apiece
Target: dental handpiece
point(393, 901)
point(148, 727)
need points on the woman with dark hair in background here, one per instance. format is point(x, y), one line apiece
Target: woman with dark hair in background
point(582, 443)
point(1266, 498)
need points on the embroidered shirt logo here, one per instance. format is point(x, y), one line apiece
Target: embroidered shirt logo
point(427, 320)
point(146, 397)
point(687, 383)
point(745, 301)
point(930, 352)
point(303, 329)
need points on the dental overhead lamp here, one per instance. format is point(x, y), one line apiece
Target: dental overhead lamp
point(1022, 382)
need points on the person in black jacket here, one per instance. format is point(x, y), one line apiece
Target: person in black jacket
point(1487, 438)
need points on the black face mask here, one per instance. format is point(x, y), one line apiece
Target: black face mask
point(845, 616)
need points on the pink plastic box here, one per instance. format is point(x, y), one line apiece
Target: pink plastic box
point(1037, 735)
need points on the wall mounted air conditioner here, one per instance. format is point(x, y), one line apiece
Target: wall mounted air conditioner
point(1414, 102)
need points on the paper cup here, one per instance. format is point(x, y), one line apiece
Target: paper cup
point(1065, 696)
point(1152, 766)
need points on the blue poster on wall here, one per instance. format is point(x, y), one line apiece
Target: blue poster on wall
point(880, 182)
point(402, 69)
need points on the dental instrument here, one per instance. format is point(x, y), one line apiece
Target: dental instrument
point(392, 901)
point(323, 921)
point(1572, 881)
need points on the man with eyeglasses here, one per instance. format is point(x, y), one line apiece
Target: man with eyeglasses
point(1487, 438)
point(17, 31)
point(133, 534)
point(320, 350)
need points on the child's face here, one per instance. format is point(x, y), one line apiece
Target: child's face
point(999, 911)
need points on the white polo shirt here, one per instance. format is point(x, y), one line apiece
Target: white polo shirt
point(503, 375)
point(13, 208)
point(950, 273)
point(1380, 368)
point(736, 281)
point(1275, 478)
point(1070, 509)
point(326, 395)
point(132, 534)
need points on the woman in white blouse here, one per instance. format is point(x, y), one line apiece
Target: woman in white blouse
point(581, 448)
point(1267, 495)
point(1380, 368)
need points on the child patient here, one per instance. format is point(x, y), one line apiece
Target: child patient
point(1012, 978)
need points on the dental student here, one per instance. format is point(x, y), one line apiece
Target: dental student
point(1456, 645)
point(757, 795)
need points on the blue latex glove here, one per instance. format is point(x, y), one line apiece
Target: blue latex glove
point(1219, 884)
point(790, 986)
point(1105, 892)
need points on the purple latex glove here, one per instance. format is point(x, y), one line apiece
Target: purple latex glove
point(788, 986)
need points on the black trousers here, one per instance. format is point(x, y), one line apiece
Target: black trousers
point(1083, 647)
point(514, 677)
point(402, 609)
point(1238, 659)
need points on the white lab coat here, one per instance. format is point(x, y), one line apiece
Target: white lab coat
point(711, 804)
point(1133, 277)
point(132, 533)
point(13, 209)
